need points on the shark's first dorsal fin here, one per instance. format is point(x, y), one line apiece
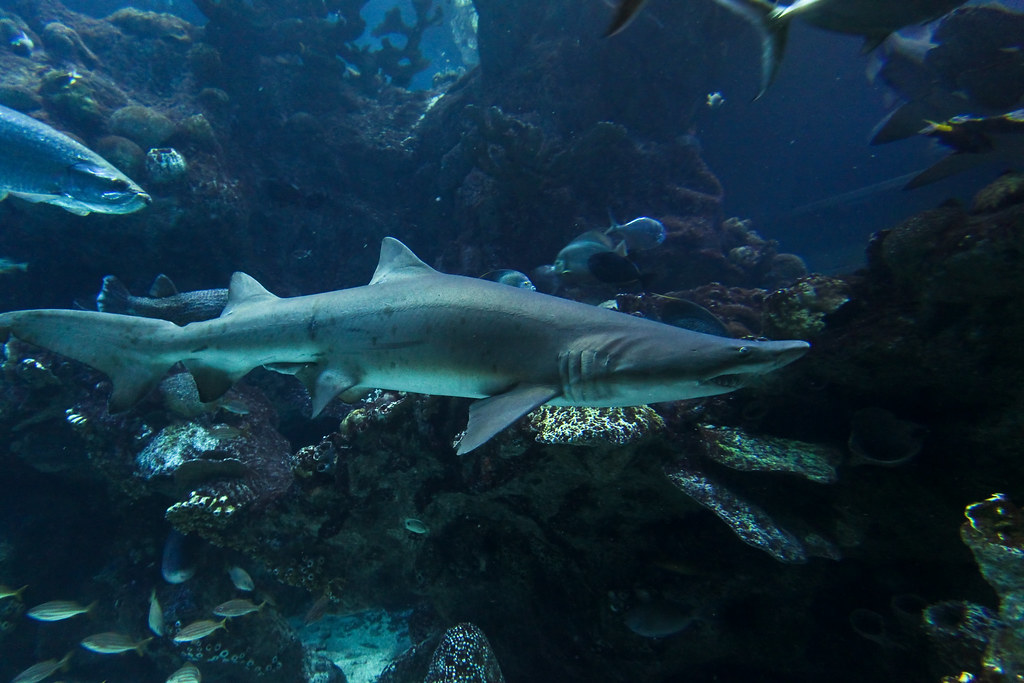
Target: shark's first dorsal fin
point(243, 291)
point(397, 261)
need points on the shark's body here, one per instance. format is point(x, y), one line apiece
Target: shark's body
point(414, 329)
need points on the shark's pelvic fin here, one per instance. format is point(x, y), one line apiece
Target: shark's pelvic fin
point(397, 261)
point(244, 290)
point(211, 381)
point(488, 416)
point(323, 384)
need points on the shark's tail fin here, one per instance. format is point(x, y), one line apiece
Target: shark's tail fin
point(134, 352)
point(113, 296)
point(772, 24)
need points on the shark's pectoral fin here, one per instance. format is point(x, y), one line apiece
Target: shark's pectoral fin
point(212, 382)
point(323, 384)
point(488, 416)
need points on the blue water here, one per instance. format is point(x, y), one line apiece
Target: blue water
point(366, 536)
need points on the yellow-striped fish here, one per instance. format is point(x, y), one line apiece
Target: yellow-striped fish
point(111, 643)
point(43, 670)
point(186, 674)
point(57, 610)
point(199, 629)
point(156, 615)
point(237, 608)
point(6, 592)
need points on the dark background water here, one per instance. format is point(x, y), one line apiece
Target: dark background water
point(805, 141)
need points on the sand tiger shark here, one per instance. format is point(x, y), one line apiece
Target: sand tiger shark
point(413, 329)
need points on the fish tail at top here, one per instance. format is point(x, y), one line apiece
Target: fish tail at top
point(113, 296)
point(772, 24)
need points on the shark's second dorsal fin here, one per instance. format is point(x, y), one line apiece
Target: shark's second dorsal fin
point(244, 290)
point(397, 261)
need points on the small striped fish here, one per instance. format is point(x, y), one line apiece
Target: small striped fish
point(57, 610)
point(199, 629)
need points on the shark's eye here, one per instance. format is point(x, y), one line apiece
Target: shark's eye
point(745, 350)
point(119, 184)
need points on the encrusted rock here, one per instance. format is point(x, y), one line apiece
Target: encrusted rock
point(576, 426)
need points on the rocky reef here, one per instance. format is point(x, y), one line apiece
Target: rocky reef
point(729, 538)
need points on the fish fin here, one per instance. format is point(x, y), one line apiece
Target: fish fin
point(287, 368)
point(243, 291)
point(162, 287)
point(323, 384)
point(772, 23)
point(212, 382)
point(488, 416)
point(64, 663)
point(132, 382)
point(113, 296)
point(397, 261)
point(872, 42)
point(3, 195)
point(957, 162)
point(625, 13)
point(903, 122)
point(126, 349)
point(140, 649)
point(621, 249)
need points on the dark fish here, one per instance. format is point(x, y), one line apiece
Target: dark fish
point(873, 19)
point(40, 164)
point(464, 656)
point(164, 301)
point(625, 13)
point(658, 618)
point(573, 261)
point(178, 563)
point(975, 140)
point(317, 610)
point(689, 316)
point(612, 268)
point(969, 61)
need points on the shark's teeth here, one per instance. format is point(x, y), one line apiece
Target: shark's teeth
point(729, 381)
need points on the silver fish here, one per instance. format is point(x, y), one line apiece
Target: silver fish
point(6, 592)
point(241, 579)
point(40, 164)
point(199, 629)
point(58, 610)
point(164, 301)
point(111, 643)
point(512, 278)
point(43, 670)
point(156, 615)
point(639, 234)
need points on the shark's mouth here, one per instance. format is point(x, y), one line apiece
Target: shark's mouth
point(734, 381)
